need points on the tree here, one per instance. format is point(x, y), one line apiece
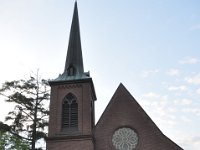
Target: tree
point(29, 119)
point(11, 142)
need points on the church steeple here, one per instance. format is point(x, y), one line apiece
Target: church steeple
point(72, 112)
point(74, 69)
point(74, 60)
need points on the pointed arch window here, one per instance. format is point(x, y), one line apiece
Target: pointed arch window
point(70, 112)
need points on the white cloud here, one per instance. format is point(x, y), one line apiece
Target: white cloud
point(194, 79)
point(151, 95)
point(195, 111)
point(185, 119)
point(189, 60)
point(183, 101)
point(156, 100)
point(162, 112)
point(186, 102)
point(147, 73)
point(195, 27)
point(173, 72)
point(177, 88)
point(190, 142)
point(198, 91)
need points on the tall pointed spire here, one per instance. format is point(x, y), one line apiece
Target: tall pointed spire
point(74, 60)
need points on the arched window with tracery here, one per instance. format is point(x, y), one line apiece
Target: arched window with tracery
point(70, 112)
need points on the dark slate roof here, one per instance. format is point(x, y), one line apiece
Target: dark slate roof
point(74, 69)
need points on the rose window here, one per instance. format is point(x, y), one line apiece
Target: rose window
point(125, 139)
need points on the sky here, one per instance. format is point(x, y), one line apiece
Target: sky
point(151, 46)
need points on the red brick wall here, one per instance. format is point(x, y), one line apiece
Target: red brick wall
point(77, 144)
point(84, 97)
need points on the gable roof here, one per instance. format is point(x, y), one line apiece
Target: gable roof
point(124, 111)
point(119, 96)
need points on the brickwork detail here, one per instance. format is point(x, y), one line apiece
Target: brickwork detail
point(69, 86)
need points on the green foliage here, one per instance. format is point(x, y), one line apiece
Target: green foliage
point(11, 142)
point(29, 119)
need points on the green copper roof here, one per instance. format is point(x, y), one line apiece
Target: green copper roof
point(74, 61)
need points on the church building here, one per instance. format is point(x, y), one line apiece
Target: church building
point(124, 125)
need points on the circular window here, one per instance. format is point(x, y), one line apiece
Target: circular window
point(125, 139)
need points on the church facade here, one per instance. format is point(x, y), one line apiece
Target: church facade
point(124, 125)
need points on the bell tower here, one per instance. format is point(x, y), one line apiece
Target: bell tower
point(72, 117)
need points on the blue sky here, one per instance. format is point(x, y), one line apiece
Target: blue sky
point(151, 46)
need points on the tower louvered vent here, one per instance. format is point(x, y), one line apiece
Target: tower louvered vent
point(70, 112)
